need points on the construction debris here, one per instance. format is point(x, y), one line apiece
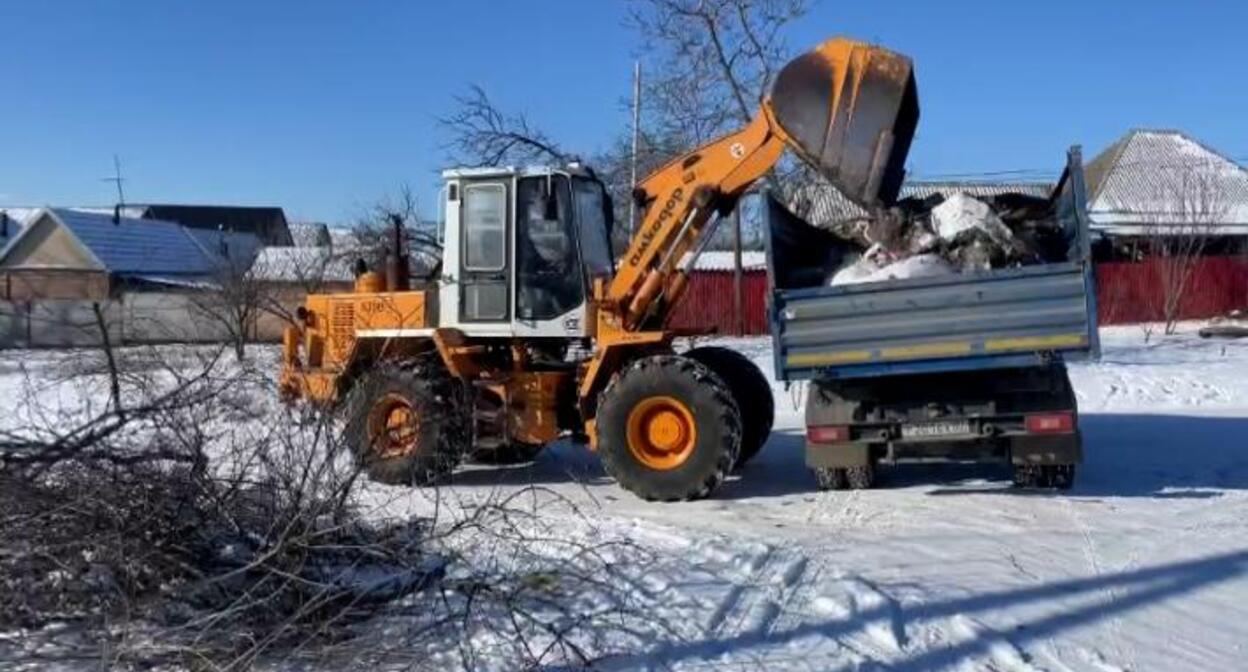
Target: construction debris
point(939, 235)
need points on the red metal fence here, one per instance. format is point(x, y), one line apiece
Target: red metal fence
point(1127, 292)
point(1132, 292)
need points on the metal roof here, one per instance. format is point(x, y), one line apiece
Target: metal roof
point(821, 203)
point(229, 249)
point(1165, 179)
point(302, 264)
point(137, 246)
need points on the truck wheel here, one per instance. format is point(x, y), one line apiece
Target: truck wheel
point(830, 478)
point(1055, 476)
point(512, 452)
point(668, 429)
point(751, 391)
point(860, 478)
point(406, 424)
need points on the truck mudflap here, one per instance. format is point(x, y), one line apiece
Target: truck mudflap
point(1048, 449)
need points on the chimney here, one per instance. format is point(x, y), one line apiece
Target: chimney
point(4, 224)
point(223, 248)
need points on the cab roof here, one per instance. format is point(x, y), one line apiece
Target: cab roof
point(576, 169)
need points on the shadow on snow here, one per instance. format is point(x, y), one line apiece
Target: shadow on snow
point(1099, 597)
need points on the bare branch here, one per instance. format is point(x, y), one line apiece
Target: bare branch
point(483, 135)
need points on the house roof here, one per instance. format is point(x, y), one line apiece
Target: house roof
point(301, 264)
point(137, 246)
point(1165, 178)
point(148, 248)
point(236, 250)
point(822, 203)
point(13, 221)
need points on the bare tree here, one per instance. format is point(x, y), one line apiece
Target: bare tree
point(234, 301)
point(373, 233)
point(709, 64)
point(1190, 206)
point(481, 134)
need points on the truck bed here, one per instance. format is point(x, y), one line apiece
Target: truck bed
point(1016, 317)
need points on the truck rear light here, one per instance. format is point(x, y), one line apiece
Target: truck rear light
point(828, 434)
point(1050, 423)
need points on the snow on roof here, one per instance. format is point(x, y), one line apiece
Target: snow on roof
point(723, 261)
point(301, 264)
point(14, 222)
point(1166, 179)
point(821, 203)
point(309, 234)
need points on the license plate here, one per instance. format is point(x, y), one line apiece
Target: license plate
point(931, 429)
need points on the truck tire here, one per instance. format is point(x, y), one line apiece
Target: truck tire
point(512, 452)
point(668, 428)
point(406, 424)
point(830, 478)
point(1044, 476)
point(751, 391)
point(845, 478)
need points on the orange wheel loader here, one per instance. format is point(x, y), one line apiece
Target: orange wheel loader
point(530, 331)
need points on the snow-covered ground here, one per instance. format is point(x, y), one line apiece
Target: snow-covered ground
point(1142, 566)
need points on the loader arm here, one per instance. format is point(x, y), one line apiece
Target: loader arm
point(847, 108)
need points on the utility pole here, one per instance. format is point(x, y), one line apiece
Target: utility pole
point(632, 202)
point(117, 179)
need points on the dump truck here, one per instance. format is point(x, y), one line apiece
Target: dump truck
point(529, 331)
point(962, 367)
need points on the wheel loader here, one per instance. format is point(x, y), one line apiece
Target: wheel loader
point(530, 331)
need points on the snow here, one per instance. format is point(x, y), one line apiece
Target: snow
point(961, 213)
point(1143, 565)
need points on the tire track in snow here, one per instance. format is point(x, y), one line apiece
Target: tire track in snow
point(759, 604)
point(1093, 559)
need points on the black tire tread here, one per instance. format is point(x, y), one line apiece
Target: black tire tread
point(424, 379)
point(750, 389)
point(615, 458)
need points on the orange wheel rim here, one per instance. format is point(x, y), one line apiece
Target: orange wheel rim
point(661, 432)
point(393, 426)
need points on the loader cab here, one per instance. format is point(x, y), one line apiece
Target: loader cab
point(521, 247)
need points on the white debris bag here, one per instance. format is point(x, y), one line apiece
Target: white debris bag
point(962, 215)
point(867, 270)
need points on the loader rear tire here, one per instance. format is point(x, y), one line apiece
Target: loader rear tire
point(668, 428)
point(406, 424)
point(751, 391)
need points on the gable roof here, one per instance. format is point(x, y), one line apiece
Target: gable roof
point(137, 246)
point(822, 204)
point(1165, 178)
point(12, 221)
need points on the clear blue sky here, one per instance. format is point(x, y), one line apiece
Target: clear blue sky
point(323, 107)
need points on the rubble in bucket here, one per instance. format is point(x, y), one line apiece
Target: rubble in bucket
point(941, 235)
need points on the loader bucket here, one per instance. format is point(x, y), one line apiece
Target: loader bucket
point(850, 110)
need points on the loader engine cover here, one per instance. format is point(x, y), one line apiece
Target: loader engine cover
point(850, 110)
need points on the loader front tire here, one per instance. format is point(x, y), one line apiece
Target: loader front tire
point(751, 391)
point(406, 424)
point(668, 428)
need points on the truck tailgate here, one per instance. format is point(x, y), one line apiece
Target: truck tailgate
point(1014, 317)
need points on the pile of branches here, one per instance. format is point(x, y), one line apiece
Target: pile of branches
point(191, 520)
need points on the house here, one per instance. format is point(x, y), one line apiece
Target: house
point(268, 224)
point(1159, 183)
point(822, 204)
point(71, 254)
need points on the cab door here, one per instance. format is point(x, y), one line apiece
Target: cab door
point(485, 294)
